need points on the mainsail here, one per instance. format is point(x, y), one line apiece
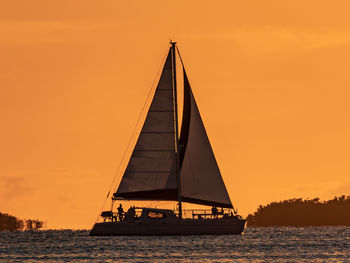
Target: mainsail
point(154, 172)
point(151, 171)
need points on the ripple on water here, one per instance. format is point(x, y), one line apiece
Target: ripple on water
point(283, 244)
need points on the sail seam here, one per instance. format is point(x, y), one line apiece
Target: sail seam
point(149, 171)
point(161, 111)
point(154, 150)
point(158, 132)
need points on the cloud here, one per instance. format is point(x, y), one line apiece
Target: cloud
point(35, 32)
point(51, 194)
point(342, 189)
point(13, 187)
point(323, 190)
point(277, 39)
point(28, 183)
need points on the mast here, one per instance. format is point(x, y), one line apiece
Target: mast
point(173, 51)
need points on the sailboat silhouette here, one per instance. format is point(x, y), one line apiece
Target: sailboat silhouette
point(166, 166)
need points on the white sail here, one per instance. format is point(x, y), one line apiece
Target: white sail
point(151, 171)
point(201, 180)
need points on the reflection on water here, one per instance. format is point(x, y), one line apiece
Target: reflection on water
point(286, 244)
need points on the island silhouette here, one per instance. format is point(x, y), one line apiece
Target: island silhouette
point(9, 222)
point(299, 212)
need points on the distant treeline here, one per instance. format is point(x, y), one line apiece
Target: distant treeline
point(8, 222)
point(299, 212)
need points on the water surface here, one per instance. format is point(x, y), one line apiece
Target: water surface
point(282, 244)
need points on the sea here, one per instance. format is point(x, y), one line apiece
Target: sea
point(263, 244)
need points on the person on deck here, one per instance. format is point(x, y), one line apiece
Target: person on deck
point(214, 211)
point(120, 212)
point(131, 213)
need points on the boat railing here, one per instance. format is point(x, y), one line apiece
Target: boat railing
point(111, 216)
point(135, 212)
point(206, 213)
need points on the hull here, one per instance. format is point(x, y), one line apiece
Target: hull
point(183, 227)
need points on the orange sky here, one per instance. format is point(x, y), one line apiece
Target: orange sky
point(270, 78)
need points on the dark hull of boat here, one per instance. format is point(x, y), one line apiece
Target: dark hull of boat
point(183, 227)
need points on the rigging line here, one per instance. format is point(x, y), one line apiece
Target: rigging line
point(166, 203)
point(153, 87)
point(150, 204)
point(178, 52)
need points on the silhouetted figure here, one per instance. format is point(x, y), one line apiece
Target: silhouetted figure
point(120, 212)
point(130, 214)
point(214, 211)
point(114, 218)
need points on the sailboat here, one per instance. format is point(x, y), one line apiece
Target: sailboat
point(164, 166)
